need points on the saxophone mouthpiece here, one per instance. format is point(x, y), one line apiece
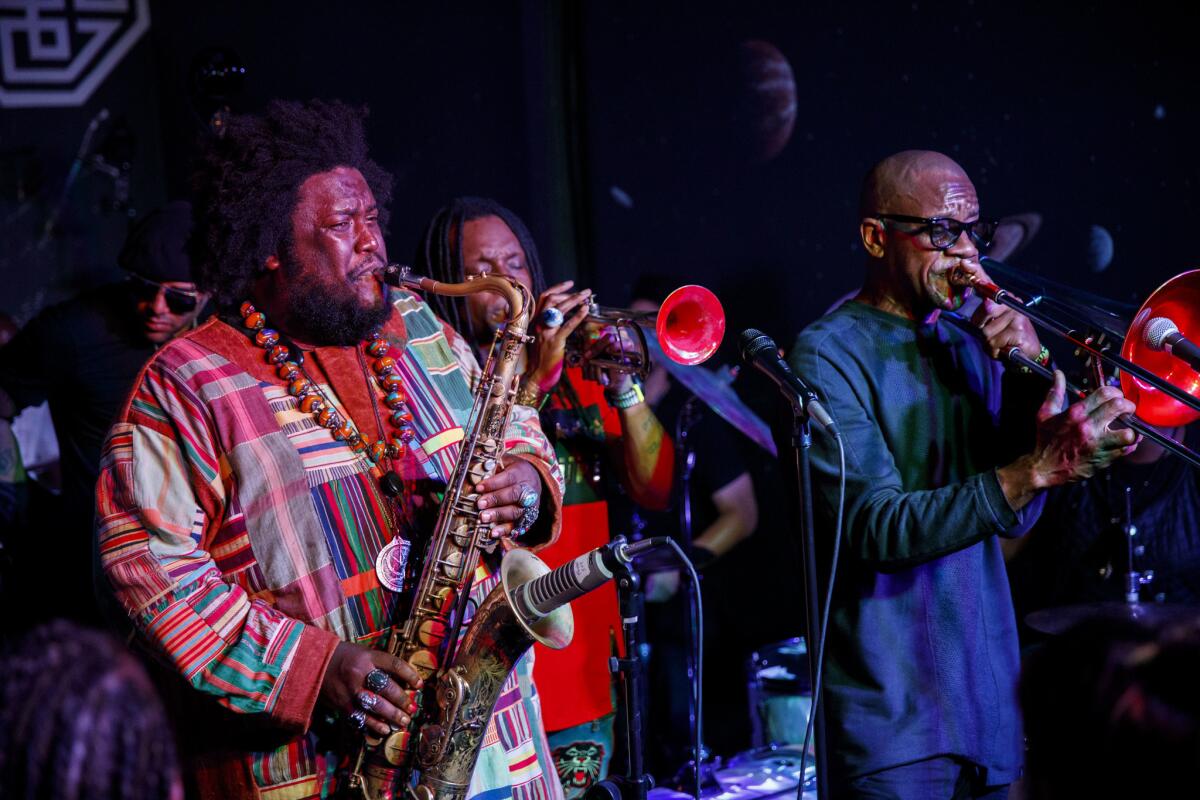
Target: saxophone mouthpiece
point(394, 274)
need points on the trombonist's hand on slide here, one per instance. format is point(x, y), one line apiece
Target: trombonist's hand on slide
point(1079, 441)
point(1072, 444)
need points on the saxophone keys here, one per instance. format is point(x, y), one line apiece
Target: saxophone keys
point(424, 660)
point(396, 747)
point(452, 563)
point(430, 635)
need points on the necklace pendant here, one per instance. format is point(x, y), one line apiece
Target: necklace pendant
point(391, 485)
point(391, 563)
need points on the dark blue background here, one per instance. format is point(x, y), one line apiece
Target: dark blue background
point(547, 106)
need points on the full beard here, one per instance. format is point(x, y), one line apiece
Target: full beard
point(334, 315)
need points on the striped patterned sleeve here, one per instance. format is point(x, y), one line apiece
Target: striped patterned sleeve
point(163, 493)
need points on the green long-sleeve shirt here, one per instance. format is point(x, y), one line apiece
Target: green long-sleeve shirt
point(922, 656)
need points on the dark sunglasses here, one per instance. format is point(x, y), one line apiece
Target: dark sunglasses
point(179, 301)
point(944, 231)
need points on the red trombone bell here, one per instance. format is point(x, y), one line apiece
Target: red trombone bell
point(1179, 301)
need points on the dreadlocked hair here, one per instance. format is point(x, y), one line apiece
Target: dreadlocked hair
point(80, 719)
point(440, 257)
point(247, 182)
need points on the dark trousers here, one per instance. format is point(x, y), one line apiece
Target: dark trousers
point(944, 778)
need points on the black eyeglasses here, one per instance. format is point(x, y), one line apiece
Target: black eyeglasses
point(944, 231)
point(179, 301)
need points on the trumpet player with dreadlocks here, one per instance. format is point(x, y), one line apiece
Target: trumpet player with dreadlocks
point(593, 429)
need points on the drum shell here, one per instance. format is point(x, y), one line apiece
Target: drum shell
point(779, 693)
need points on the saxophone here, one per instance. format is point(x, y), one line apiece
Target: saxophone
point(463, 677)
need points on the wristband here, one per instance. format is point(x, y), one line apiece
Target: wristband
point(530, 394)
point(626, 399)
point(1043, 359)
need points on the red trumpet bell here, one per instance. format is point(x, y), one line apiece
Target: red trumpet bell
point(1179, 301)
point(690, 325)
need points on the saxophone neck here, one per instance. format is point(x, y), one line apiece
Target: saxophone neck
point(520, 301)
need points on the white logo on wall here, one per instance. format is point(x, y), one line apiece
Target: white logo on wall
point(56, 52)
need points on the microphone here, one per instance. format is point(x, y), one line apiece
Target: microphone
point(540, 596)
point(1161, 333)
point(761, 351)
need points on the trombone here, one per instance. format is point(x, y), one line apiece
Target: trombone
point(1163, 388)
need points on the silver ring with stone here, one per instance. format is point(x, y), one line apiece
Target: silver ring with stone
point(528, 517)
point(552, 317)
point(529, 497)
point(377, 680)
point(367, 701)
point(357, 719)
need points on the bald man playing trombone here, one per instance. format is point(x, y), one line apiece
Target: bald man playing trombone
point(946, 451)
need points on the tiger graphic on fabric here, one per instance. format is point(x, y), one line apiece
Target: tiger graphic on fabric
point(578, 764)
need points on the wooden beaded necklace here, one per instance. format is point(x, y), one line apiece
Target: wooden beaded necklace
point(312, 400)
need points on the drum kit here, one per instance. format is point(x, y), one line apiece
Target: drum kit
point(780, 700)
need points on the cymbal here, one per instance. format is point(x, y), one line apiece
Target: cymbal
point(766, 771)
point(714, 391)
point(1060, 620)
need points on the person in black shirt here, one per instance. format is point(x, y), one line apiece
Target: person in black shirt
point(83, 356)
point(723, 514)
point(1079, 550)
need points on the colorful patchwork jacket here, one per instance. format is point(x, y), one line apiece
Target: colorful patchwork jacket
point(240, 539)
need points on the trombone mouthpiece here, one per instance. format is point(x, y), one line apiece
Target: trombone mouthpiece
point(962, 277)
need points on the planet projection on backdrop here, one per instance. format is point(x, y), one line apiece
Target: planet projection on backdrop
point(1100, 248)
point(1013, 234)
point(766, 98)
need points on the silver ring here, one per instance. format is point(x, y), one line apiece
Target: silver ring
point(529, 497)
point(357, 720)
point(552, 318)
point(377, 680)
point(367, 701)
point(528, 517)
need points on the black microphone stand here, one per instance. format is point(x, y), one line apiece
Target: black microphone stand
point(635, 784)
point(689, 417)
point(801, 442)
